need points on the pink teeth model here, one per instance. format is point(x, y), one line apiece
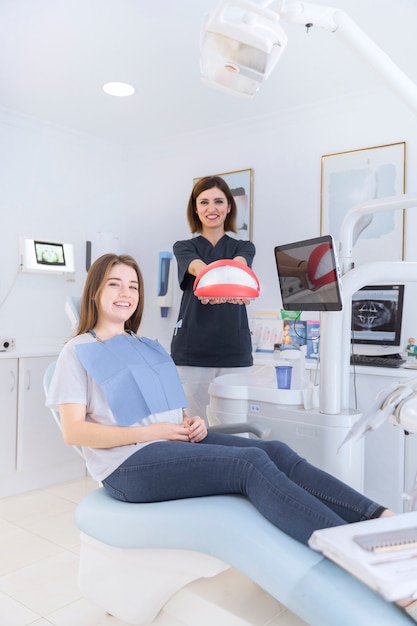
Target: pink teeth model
point(321, 270)
point(226, 279)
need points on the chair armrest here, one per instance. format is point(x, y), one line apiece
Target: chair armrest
point(241, 427)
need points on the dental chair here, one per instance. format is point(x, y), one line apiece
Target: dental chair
point(135, 558)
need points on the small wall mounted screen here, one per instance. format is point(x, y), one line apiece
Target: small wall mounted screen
point(45, 256)
point(308, 275)
point(377, 315)
point(49, 253)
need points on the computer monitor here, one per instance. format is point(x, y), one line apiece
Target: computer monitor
point(377, 316)
point(308, 275)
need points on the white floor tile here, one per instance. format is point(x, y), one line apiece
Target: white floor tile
point(74, 490)
point(12, 613)
point(20, 549)
point(83, 613)
point(45, 586)
point(6, 527)
point(58, 528)
point(34, 504)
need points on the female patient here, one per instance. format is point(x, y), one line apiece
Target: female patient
point(119, 396)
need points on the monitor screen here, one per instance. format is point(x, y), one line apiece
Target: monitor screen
point(308, 275)
point(45, 257)
point(48, 253)
point(377, 315)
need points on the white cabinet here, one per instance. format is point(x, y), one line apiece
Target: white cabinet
point(8, 412)
point(390, 454)
point(32, 451)
point(39, 440)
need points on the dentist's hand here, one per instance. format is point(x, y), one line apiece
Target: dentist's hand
point(223, 300)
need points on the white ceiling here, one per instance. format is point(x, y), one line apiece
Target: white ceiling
point(56, 54)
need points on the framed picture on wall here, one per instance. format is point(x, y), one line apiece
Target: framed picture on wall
point(352, 178)
point(241, 186)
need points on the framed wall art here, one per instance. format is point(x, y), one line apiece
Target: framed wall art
point(351, 178)
point(241, 186)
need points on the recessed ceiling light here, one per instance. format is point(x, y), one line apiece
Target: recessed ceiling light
point(118, 89)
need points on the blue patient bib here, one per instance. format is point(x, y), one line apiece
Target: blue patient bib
point(137, 375)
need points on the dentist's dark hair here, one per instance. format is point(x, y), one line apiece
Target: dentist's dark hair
point(208, 182)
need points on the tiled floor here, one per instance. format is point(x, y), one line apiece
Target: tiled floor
point(39, 547)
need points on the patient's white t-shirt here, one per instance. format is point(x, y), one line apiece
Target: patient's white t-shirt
point(71, 384)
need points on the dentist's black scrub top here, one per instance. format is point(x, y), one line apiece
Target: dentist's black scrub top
point(210, 335)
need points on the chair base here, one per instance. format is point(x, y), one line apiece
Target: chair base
point(133, 584)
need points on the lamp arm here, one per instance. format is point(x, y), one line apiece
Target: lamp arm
point(335, 330)
point(352, 35)
point(367, 49)
point(305, 14)
point(335, 335)
point(352, 217)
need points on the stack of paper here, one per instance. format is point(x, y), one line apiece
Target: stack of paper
point(382, 553)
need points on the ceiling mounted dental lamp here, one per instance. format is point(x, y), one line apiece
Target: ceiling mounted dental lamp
point(240, 45)
point(242, 41)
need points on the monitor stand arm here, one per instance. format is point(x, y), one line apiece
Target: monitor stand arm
point(336, 325)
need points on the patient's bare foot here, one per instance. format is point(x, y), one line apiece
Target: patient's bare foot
point(410, 607)
point(387, 513)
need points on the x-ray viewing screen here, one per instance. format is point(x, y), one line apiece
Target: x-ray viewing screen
point(377, 315)
point(46, 257)
point(49, 253)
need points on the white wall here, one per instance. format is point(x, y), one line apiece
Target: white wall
point(54, 186)
point(57, 185)
point(285, 154)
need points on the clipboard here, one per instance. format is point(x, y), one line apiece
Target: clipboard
point(382, 552)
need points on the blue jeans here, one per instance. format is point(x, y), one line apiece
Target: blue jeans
point(295, 496)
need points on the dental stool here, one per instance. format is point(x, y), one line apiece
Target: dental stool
point(135, 557)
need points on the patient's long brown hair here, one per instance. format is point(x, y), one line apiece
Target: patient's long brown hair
point(96, 278)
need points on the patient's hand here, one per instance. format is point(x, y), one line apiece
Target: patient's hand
point(169, 431)
point(197, 429)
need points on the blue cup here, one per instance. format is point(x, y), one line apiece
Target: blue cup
point(283, 373)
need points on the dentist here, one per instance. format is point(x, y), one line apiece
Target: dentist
point(211, 337)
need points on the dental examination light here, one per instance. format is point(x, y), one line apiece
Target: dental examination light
point(240, 46)
point(242, 41)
